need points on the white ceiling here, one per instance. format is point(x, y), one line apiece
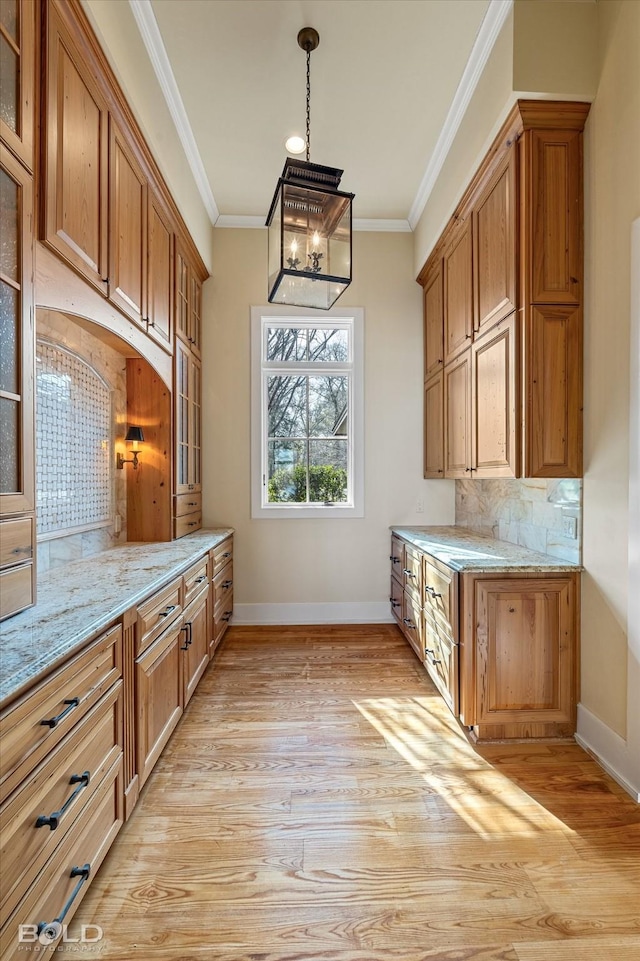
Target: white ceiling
point(390, 81)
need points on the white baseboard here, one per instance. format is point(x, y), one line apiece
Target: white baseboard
point(610, 751)
point(350, 612)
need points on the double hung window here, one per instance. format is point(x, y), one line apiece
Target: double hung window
point(307, 413)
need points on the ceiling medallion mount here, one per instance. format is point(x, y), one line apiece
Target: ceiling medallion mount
point(309, 224)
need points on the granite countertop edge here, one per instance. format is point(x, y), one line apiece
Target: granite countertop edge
point(467, 551)
point(37, 641)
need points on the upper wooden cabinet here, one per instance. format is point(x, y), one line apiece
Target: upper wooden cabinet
point(127, 230)
point(160, 272)
point(77, 158)
point(494, 247)
point(458, 291)
point(17, 77)
point(188, 302)
point(433, 426)
point(433, 322)
point(187, 391)
point(511, 258)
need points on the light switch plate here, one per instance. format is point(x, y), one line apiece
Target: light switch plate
point(570, 527)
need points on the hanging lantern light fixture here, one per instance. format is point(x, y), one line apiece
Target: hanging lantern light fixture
point(309, 224)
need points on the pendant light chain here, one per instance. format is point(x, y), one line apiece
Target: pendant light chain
point(308, 104)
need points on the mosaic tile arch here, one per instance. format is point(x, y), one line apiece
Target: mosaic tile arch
point(74, 441)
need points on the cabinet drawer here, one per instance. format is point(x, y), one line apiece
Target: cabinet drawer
point(412, 572)
point(187, 524)
point(60, 883)
point(58, 790)
point(157, 613)
point(221, 618)
point(412, 624)
point(187, 504)
point(222, 586)
point(221, 554)
point(441, 597)
point(32, 727)
point(17, 589)
point(16, 541)
point(195, 580)
point(395, 599)
point(396, 558)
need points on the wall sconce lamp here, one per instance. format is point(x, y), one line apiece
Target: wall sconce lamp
point(135, 437)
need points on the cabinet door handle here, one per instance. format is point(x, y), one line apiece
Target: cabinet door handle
point(408, 573)
point(51, 929)
point(185, 646)
point(54, 819)
point(409, 623)
point(393, 602)
point(54, 721)
point(432, 591)
point(168, 611)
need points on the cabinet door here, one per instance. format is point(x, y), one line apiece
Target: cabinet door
point(458, 292)
point(195, 645)
point(553, 392)
point(158, 697)
point(494, 393)
point(434, 427)
point(457, 417)
point(433, 323)
point(525, 650)
point(17, 478)
point(494, 246)
point(441, 662)
point(182, 295)
point(553, 252)
point(77, 154)
point(127, 230)
point(187, 420)
point(17, 56)
point(412, 624)
point(159, 274)
point(195, 308)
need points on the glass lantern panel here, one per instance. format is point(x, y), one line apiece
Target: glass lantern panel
point(340, 243)
point(274, 242)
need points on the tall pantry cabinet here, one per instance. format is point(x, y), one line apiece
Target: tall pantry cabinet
point(503, 291)
point(17, 322)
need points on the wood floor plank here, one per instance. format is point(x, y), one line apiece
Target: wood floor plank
point(318, 802)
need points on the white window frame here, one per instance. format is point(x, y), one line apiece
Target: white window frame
point(261, 318)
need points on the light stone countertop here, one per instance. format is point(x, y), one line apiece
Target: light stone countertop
point(78, 600)
point(469, 552)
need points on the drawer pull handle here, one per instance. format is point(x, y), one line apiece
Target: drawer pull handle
point(432, 591)
point(394, 603)
point(54, 819)
point(192, 503)
point(227, 554)
point(394, 560)
point(193, 524)
point(168, 611)
point(410, 625)
point(51, 929)
point(200, 579)
point(408, 573)
point(226, 584)
point(428, 650)
point(71, 702)
point(226, 616)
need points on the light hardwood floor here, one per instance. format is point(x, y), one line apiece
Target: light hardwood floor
point(318, 801)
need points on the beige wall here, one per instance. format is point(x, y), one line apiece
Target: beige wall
point(612, 194)
point(120, 38)
point(555, 47)
point(319, 561)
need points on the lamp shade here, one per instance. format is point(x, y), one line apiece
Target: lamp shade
point(309, 237)
point(134, 433)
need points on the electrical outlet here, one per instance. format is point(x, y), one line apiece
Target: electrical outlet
point(117, 524)
point(570, 527)
point(420, 506)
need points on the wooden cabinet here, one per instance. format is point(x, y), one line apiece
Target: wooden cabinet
point(160, 244)
point(458, 291)
point(434, 426)
point(76, 165)
point(17, 77)
point(433, 322)
point(520, 655)
point(195, 643)
point(17, 424)
point(158, 696)
point(62, 794)
point(188, 302)
point(221, 564)
point(127, 229)
point(512, 255)
point(500, 648)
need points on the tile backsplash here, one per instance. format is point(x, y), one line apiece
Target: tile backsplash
point(80, 413)
point(539, 514)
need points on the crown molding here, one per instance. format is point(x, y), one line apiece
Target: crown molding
point(494, 19)
point(378, 226)
point(152, 39)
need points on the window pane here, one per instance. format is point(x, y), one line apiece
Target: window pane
point(287, 398)
point(287, 471)
point(328, 471)
point(9, 339)
point(331, 346)
point(286, 343)
point(328, 398)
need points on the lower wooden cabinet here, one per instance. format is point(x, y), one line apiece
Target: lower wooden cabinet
point(221, 563)
point(500, 648)
point(195, 643)
point(158, 682)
